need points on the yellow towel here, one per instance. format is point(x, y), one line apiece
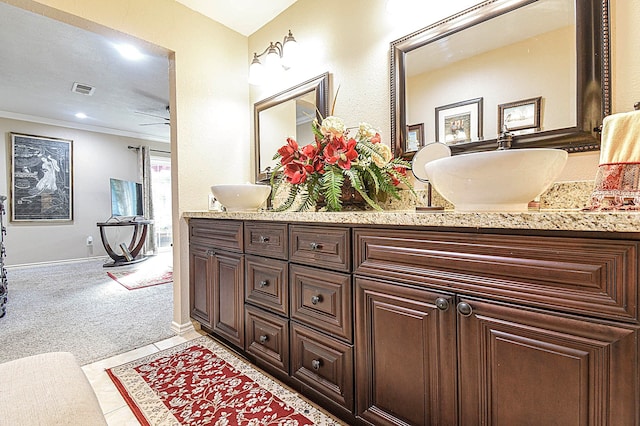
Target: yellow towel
point(617, 185)
point(620, 138)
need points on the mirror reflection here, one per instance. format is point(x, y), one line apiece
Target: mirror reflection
point(530, 67)
point(525, 53)
point(287, 114)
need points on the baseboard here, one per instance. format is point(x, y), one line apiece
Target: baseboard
point(56, 262)
point(182, 328)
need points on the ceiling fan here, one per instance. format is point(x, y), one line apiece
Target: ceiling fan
point(165, 120)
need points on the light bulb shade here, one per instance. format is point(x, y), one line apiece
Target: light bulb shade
point(272, 62)
point(290, 51)
point(256, 73)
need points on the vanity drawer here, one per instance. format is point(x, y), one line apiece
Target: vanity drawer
point(267, 339)
point(589, 276)
point(267, 284)
point(322, 299)
point(224, 234)
point(323, 364)
point(266, 239)
point(322, 246)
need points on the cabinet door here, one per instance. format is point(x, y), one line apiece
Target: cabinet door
point(406, 355)
point(520, 367)
point(201, 284)
point(228, 296)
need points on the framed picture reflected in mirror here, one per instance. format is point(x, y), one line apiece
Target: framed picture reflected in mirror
point(415, 137)
point(459, 122)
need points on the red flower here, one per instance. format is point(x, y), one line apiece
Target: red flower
point(313, 159)
point(395, 181)
point(337, 151)
point(376, 138)
point(289, 152)
point(295, 173)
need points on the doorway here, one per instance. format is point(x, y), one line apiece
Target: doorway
point(161, 195)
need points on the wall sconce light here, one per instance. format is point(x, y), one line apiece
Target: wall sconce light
point(279, 56)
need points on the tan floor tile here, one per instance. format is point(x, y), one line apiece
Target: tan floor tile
point(107, 393)
point(176, 340)
point(122, 417)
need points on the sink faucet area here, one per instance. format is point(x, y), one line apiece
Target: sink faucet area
point(503, 180)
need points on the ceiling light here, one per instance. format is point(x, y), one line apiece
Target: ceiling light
point(279, 56)
point(129, 52)
point(81, 115)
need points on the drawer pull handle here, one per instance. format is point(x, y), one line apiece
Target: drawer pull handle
point(315, 364)
point(264, 338)
point(316, 299)
point(263, 284)
point(464, 309)
point(264, 239)
point(315, 246)
point(442, 303)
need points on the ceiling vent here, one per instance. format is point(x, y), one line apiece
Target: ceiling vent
point(83, 89)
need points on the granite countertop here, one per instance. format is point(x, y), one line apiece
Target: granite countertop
point(558, 220)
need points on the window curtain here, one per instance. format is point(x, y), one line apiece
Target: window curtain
point(144, 171)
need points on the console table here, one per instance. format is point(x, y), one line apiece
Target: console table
point(131, 253)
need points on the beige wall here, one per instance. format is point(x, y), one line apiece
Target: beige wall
point(351, 41)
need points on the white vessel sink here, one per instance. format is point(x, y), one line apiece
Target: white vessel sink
point(496, 180)
point(241, 197)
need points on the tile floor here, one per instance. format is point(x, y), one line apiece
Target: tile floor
point(114, 407)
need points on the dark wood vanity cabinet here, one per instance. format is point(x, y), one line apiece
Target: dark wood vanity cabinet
point(479, 329)
point(216, 270)
point(409, 326)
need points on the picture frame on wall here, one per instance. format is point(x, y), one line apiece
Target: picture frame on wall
point(459, 122)
point(520, 115)
point(41, 178)
point(415, 137)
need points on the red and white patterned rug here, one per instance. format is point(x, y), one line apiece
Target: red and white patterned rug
point(202, 383)
point(134, 279)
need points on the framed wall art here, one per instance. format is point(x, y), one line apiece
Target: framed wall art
point(459, 122)
point(415, 137)
point(520, 115)
point(41, 178)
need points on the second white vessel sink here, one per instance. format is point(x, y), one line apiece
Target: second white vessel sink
point(496, 180)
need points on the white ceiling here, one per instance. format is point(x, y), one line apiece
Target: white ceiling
point(243, 16)
point(42, 58)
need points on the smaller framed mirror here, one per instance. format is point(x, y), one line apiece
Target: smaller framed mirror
point(287, 114)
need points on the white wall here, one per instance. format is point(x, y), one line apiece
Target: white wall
point(96, 158)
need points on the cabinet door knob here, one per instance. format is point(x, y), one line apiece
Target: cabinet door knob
point(264, 239)
point(315, 246)
point(264, 338)
point(211, 252)
point(464, 309)
point(442, 303)
point(263, 283)
point(315, 364)
point(316, 299)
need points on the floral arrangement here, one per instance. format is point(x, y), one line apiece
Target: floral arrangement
point(317, 171)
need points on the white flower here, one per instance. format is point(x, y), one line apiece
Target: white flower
point(332, 127)
point(366, 131)
point(384, 155)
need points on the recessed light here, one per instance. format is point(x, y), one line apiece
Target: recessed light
point(81, 115)
point(129, 52)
